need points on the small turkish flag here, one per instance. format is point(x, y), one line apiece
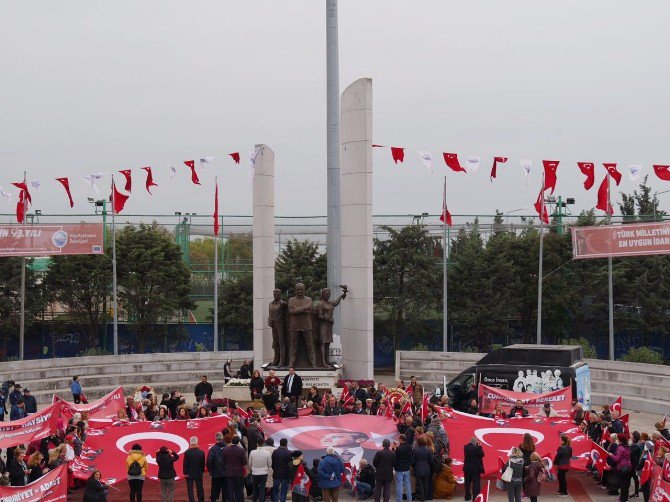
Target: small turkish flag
point(494, 168)
point(587, 168)
point(663, 172)
point(21, 207)
point(451, 159)
point(550, 168)
point(66, 184)
point(445, 217)
point(235, 156)
point(194, 175)
point(603, 198)
point(118, 199)
point(301, 482)
point(242, 412)
point(645, 474)
point(612, 170)
point(599, 458)
point(24, 188)
point(541, 208)
point(398, 154)
point(150, 180)
point(129, 183)
point(616, 405)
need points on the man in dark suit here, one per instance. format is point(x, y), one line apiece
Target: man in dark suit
point(234, 460)
point(292, 385)
point(383, 462)
point(473, 467)
point(194, 467)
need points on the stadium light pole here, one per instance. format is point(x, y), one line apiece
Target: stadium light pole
point(334, 222)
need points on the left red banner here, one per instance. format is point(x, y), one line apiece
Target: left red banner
point(49, 488)
point(35, 426)
point(107, 406)
point(51, 240)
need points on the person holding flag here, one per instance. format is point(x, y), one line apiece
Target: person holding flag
point(301, 482)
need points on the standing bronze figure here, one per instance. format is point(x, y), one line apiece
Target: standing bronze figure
point(277, 320)
point(300, 325)
point(324, 311)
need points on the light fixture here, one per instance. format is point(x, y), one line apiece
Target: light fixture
point(91, 200)
point(38, 212)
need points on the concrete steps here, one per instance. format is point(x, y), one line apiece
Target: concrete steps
point(99, 375)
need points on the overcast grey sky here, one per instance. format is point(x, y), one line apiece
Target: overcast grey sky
point(100, 86)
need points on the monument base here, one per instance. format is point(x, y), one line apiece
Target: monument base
point(321, 378)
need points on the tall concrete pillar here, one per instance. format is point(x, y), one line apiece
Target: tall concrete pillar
point(263, 250)
point(356, 166)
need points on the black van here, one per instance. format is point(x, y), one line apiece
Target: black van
point(525, 368)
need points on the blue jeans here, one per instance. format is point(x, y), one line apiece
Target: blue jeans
point(402, 479)
point(279, 490)
point(364, 490)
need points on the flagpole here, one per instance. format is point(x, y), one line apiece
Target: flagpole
point(539, 267)
point(114, 289)
point(445, 307)
point(609, 279)
point(216, 276)
point(22, 320)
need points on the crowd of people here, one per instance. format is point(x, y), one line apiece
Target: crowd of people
point(418, 464)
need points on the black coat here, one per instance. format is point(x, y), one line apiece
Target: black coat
point(280, 460)
point(296, 388)
point(421, 461)
point(203, 389)
point(384, 461)
point(215, 460)
point(254, 434)
point(403, 457)
point(16, 474)
point(563, 455)
point(234, 460)
point(95, 491)
point(165, 463)
point(30, 404)
point(194, 463)
point(473, 462)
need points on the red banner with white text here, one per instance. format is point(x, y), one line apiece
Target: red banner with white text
point(497, 437)
point(560, 399)
point(34, 426)
point(51, 487)
point(107, 406)
point(107, 447)
point(51, 240)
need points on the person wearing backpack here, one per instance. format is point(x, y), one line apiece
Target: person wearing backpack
point(515, 482)
point(136, 466)
point(535, 475)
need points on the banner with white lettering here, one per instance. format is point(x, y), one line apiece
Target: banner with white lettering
point(107, 447)
point(35, 426)
point(634, 239)
point(560, 400)
point(107, 406)
point(51, 487)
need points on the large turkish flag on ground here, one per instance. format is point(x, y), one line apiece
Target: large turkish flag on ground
point(497, 437)
point(107, 447)
point(107, 406)
point(49, 488)
point(353, 436)
point(28, 429)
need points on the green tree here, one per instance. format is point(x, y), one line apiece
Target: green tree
point(301, 261)
point(588, 350)
point(237, 253)
point(153, 281)
point(10, 301)
point(407, 278)
point(82, 284)
point(642, 205)
point(236, 301)
point(643, 355)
